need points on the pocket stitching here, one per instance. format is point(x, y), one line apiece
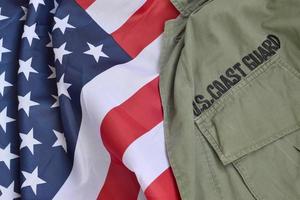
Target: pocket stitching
point(248, 81)
point(212, 177)
point(202, 120)
point(247, 181)
point(285, 66)
point(226, 159)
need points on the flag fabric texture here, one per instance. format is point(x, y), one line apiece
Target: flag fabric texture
point(80, 110)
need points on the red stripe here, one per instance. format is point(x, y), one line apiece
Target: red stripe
point(120, 184)
point(85, 3)
point(144, 26)
point(133, 118)
point(141, 112)
point(163, 187)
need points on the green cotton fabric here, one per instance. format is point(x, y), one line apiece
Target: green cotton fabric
point(230, 87)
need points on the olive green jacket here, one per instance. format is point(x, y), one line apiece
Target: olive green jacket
point(230, 87)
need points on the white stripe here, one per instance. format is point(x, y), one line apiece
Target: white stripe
point(98, 97)
point(141, 196)
point(112, 14)
point(91, 162)
point(117, 84)
point(146, 156)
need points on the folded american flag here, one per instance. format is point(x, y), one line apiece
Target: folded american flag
point(80, 112)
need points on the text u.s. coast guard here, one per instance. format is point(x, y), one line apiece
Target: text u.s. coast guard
point(233, 75)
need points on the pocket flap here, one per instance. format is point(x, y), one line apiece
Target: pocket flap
point(261, 109)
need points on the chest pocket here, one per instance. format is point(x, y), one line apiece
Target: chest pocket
point(256, 127)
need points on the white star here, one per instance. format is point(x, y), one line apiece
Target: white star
point(29, 141)
point(25, 103)
point(96, 52)
point(29, 33)
point(50, 44)
point(53, 74)
point(2, 49)
point(36, 3)
point(61, 140)
point(25, 10)
point(62, 24)
point(25, 68)
point(32, 180)
point(8, 193)
point(53, 11)
point(60, 52)
point(4, 119)
point(62, 87)
point(2, 17)
point(3, 83)
point(6, 156)
point(56, 103)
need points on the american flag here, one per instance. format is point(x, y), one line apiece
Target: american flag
point(80, 111)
